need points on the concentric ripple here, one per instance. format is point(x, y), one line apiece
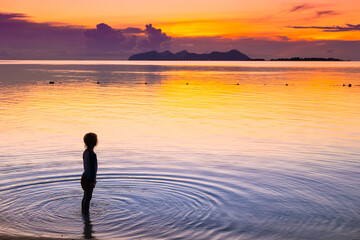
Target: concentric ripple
point(128, 206)
point(145, 205)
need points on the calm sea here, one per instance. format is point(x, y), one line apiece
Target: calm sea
point(187, 150)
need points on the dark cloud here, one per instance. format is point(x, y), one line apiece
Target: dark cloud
point(21, 38)
point(327, 12)
point(348, 27)
point(132, 30)
point(155, 39)
point(7, 16)
point(131, 43)
point(20, 21)
point(306, 6)
point(301, 7)
point(283, 38)
point(105, 37)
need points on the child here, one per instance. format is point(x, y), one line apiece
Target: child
point(88, 179)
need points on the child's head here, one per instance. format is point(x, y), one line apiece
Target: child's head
point(90, 140)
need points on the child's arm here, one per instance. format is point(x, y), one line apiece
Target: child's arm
point(93, 163)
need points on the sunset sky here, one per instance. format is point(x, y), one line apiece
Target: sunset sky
point(200, 25)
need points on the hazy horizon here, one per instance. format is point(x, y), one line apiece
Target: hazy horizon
point(114, 30)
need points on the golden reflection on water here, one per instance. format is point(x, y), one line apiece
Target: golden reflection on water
point(198, 110)
point(274, 148)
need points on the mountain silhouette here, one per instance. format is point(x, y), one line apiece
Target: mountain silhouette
point(233, 55)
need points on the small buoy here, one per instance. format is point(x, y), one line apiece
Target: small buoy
point(51, 82)
point(97, 82)
point(349, 85)
point(145, 83)
point(187, 83)
point(237, 84)
point(343, 85)
point(286, 84)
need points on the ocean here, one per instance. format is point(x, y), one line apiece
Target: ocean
point(187, 150)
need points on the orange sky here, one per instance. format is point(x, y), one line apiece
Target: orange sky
point(179, 18)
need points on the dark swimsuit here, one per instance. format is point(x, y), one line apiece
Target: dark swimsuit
point(85, 183)
point(90, 169)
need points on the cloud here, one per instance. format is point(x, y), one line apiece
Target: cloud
point(19, 20)
point(21, 38)
point(348, 27)
point(8, 16)
point(327, 12)
point(318, 14)
point(105, 37)
point(132, 30)
point(301, 7)
point(155, 39)
point(20, 35)
point(283, 38)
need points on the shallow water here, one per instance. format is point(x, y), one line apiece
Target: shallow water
point(204, 150)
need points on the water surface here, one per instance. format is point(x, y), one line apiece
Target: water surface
point(188, 150)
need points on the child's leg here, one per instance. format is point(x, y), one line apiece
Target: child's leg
point(86, 200)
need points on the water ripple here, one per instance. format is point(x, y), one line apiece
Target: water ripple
point(124, 205)
point(170, 206)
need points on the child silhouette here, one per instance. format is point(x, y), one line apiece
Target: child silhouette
point(88, 179)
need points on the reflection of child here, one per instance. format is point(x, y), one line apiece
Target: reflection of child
point(88, 179)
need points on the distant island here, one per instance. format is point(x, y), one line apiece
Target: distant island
point(306, 59)
point(233, 55)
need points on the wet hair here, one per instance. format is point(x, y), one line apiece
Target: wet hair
point(90, 140)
